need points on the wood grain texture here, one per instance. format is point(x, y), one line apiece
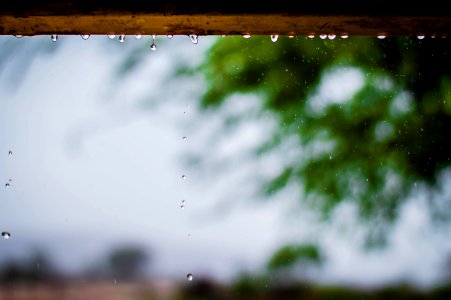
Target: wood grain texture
point(223, 17)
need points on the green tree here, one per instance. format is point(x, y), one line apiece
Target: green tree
point(290, 254)
point(369, 149)
point(128, 263)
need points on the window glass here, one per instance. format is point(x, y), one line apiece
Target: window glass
point(213, 167)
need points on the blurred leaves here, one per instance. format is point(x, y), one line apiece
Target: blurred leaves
point(20, 53)
point(290, 255)
point(368, 145)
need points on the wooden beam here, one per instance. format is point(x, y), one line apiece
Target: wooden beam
point(223, 17)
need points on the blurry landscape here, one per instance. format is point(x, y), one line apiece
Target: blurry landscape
point(297, 169)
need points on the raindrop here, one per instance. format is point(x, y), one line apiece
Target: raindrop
point(274, 38)
point(10, 152)
point(138, 36)
point(184, 138)
point(115, 281)
point(311, 36)
point(330, 156)
point(153, 46)
point(85, 36)
point(246, 36)
point(122, 38)
point(183, 176)
point(18, 36)
point(344, 36)
point(420, 37)
point(381, 36)
point(189, 276)
point(194, 38)
point(182, 205)
point(54, 37)
point(6, 235)
point(331, 36)
point(10, 180)
point(170, 36)
point(7, 184)
point(184, 112)
point(111, 35)
point(323, 36)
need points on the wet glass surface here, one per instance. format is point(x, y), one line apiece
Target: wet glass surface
point(263, 167)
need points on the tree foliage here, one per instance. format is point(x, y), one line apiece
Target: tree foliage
point(369, 149)
point(128, 263)
point(290, 255)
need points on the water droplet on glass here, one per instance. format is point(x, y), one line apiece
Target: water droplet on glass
point(344, 36)
point(323, 36)
point(246, 36)
point(153, 46)
point(274, 38)
point(420, 37)
point(18, 36)
point(189, 276)
point(194, 38)
point(54, 37)
point(183, 176)
point(170, 36)
point(311, 36)
point(111, 36)
point(138, 36)
point(122, 38)
point(7, 185)
point(85, 36)
point(10, 152)
point(331, 36)
point(381, 36)
point(6, 235)
point(184, 138)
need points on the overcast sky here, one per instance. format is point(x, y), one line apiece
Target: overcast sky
point(93, 167)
